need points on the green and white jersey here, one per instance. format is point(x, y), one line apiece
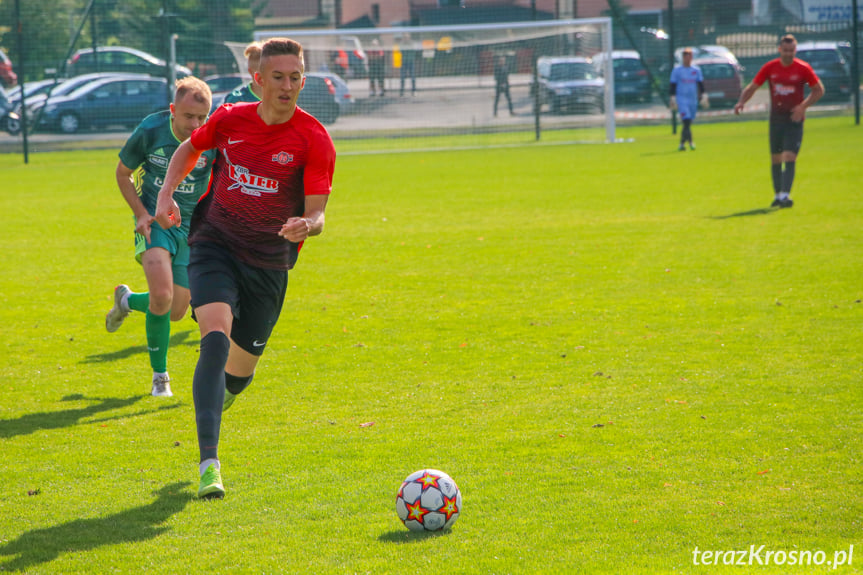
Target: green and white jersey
point(242, 94)
point(150, 147)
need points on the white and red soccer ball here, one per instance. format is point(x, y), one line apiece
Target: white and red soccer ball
point(428, 500)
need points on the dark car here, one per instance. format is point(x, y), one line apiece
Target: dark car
point(570, 82)
point(723, 81)
point(223, 84)
point(113, 101)
point(54, 89)
point(8, 77)
point(120, 59)
point(631, 82)
point(318, 98)
point(830, 66)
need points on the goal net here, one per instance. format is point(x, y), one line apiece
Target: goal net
point(420, 87)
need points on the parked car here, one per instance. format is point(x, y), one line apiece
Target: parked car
point(31, 90)
point(350, 60)
point(8, 77)
point(223, 84)
point(570, 82)
point(847, 52)
point(631, 82)
point(343, 95)
point(318, 98)
point(9, 120)
point(54, 89)
point(120, 59)
point(112, 101)
point(723, 81)
point(830, 66)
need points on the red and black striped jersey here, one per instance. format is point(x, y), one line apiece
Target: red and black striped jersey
point(260, 179)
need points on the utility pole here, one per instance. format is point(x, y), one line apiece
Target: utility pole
point(671, 56)
point(23, 71)
point(855, 61)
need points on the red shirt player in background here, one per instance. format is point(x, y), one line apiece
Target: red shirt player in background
point(787, 76)
point(268, 193)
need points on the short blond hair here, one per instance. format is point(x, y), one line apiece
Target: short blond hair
point(199, 90)
point(253, 56)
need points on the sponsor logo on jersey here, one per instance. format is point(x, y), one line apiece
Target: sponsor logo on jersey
point(187, 186)
point(283, 158)
point(783, 90)
point(249, 183)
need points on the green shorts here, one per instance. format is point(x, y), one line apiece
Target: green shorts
point(173, 240)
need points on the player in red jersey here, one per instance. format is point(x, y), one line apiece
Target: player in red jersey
point(787, 76)
point(270, 186)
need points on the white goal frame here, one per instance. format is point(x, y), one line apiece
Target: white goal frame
point(314, 38)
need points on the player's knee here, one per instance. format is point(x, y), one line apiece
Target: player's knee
point(160, 301)
point(178, 314)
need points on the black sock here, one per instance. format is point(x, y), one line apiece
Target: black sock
point(686, 134)
point(776, 171)
point(788, 176)
point(236, 384)
point(208, 390)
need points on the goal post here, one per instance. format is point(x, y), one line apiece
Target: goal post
point(440, 81)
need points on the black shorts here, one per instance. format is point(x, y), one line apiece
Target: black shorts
point(255, 294)
point(785, 136)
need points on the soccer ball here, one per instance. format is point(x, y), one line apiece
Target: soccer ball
point(428, 500)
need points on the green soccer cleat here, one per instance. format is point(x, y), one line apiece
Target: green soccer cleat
point(211, 484)
point(229, 400)
point(114, 318)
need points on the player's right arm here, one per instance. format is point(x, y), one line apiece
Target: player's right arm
point(752, 87)
point(182, 162)
point(745, 95)
point(125, 182)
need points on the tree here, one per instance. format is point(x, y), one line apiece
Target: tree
point(46, 31)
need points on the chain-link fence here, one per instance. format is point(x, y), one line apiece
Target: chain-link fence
point(67, 54)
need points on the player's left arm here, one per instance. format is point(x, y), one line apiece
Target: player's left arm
point(798, 112)
point(310, 224)
point(317, 183)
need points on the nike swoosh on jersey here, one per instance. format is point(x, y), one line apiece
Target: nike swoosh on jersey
point(232, 142)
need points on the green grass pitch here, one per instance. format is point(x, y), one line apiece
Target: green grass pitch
point(617, 351)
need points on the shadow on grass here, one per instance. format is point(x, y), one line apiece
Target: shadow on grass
point(32, 422)
point(756, 212)
point(402, 536)
point(179, 338)
point(40, 546)
point(671, 152)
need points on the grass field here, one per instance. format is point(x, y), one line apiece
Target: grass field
point(617, 352)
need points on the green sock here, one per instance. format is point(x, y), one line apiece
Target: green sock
point(139, 301)
point(158, 334)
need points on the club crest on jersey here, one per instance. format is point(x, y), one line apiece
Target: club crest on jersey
point(250, 183)
point(283, 158)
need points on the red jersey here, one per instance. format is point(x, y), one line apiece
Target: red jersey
point(786, 85)
point(260, 179)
